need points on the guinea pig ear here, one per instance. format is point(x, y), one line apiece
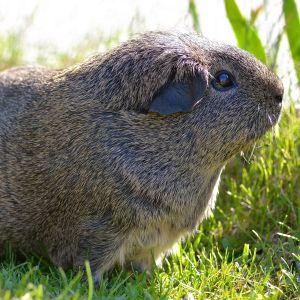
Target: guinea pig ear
point(179, 97)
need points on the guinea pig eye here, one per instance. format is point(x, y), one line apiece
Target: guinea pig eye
point(223, 81)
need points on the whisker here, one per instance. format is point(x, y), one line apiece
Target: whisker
point(270, 119)
point(198, 102)
point(249, 158)
point(252, 152)
point(244, 157)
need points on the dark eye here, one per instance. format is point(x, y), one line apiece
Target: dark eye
point(223, 81)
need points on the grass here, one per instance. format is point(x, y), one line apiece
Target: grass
point(249, 248)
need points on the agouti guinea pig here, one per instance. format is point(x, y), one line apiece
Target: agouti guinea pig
point(116, 159)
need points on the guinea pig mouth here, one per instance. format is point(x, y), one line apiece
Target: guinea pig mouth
point(264, 120)
point(272, 119)
point(273, 115)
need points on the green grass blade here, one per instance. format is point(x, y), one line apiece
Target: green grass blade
point(292, 28)
point(89, 280)
point(245, 33)
point(194, 14)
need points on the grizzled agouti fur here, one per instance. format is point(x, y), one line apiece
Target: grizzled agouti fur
point(115, 159)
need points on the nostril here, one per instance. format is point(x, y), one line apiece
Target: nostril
point(278, 98)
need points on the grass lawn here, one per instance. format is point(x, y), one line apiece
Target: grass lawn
point(249, 248)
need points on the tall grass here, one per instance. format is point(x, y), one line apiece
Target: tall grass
point(292, 28)
point(246, 34)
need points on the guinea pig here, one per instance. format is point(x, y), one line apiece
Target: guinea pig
point(116, 159)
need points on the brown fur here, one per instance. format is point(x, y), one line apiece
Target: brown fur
point(87, 173)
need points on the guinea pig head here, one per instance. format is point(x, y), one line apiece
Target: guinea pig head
point(224, 97)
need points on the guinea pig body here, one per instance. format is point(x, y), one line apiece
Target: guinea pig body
point(116, 159)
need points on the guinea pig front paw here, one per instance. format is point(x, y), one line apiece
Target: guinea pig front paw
point(145, 264)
